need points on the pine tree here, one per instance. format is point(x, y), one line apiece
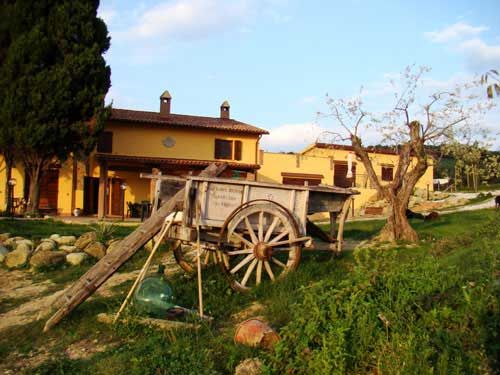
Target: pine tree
point(53, 80)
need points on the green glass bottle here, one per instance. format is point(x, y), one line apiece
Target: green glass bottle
point(155, 296)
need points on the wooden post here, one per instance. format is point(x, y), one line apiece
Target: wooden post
point(102, 205)
point(74, 182)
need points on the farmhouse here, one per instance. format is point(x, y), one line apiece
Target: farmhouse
point(108, 183)
point(135, 142)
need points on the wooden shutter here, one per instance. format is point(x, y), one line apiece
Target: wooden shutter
point(387, 173)
point(223, 149)
point(237, 150)
point(105, 142)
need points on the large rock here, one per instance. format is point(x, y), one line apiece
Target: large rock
point(46, 246)
point(75, 259)
point(96, 250)
point(24, 246)
point(10, 243)
point(4, 237)
point(54, 237)
point(85, 239)
point(26, 242)
point(113, 246)
point(250, 366)
point(18, 257)
point(3, 253)
point(47, 258)
point(69, 249)
point(65, 240)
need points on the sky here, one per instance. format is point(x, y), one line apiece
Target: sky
point(276, 60)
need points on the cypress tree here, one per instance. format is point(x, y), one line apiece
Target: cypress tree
point(53, 80)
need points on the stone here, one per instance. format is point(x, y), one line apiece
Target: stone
point(96, 250)
point(55, 237)
point(18, 257)
point(3, 253)
point(113, 246)
point(10, 243)
point(4, 237)
point(85, 239)
point(75, 259)
point(47, 258)
point(249, 366)
point(24, 246)
point(46, 246)
point(65, 240)
point(25, 241)
point(69, 249)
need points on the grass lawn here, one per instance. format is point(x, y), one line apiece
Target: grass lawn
point(407, 310)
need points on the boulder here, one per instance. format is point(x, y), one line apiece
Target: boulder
point(46, 246)
point(85, 239)
point(26, 242)
point(113, 246)
point(250, 366)
point(75, 259)
point(65, 240)
point(47, 258)
point(10, 243)
point(18, 257)
point(3, 253)
point(4, 237)
point(55, 237)
point(96, 250)
point(69, 249)
point(24, 246)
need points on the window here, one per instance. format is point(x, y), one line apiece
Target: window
point(301, 179)
point(231, 150)
point(105, 142)
point(387, 172)
point(340, 170)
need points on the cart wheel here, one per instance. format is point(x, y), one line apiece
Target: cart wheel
point(187, 256)
point(266, 232)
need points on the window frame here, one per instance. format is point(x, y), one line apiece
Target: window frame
point(384, 172)
point(105, 142)
point(217, 155)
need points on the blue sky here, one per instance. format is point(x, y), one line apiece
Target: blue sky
point(275, 60)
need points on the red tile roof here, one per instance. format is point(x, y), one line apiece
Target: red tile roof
point(175, 120)
point(174, 161)
point(375, 150)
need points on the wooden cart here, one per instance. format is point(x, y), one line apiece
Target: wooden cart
point(253, 230)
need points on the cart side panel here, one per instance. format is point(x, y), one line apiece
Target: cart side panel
point(219, 201)
point(326, 202)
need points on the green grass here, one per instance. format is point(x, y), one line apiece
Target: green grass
point(440, 298)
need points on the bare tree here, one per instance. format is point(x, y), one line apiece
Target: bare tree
point(412, 123)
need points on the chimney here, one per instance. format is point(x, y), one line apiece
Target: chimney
point(224, 110)
point(165, 99)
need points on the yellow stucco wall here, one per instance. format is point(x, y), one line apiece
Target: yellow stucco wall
point(18, 174)
point(189, 144)
point(320, 161)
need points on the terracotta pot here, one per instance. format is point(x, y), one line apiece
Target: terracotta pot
point(256, 332)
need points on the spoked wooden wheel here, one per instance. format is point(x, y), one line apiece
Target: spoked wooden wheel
point(268, 245)
point(187, 256)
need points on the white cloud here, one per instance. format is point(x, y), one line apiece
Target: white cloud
point(480, 55)
point(107, 14)
point(291, 137)
point(456, 31)
point(188, 19)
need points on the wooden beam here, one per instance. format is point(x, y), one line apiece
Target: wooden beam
point(110, 263)
point(102, 206)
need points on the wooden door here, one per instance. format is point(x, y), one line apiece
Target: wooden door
point(49, 189)
point(90, 195)
point(116, 199)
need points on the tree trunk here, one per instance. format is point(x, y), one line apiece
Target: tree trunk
point(35, 174)
point(8, 175)
point(398, 227)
